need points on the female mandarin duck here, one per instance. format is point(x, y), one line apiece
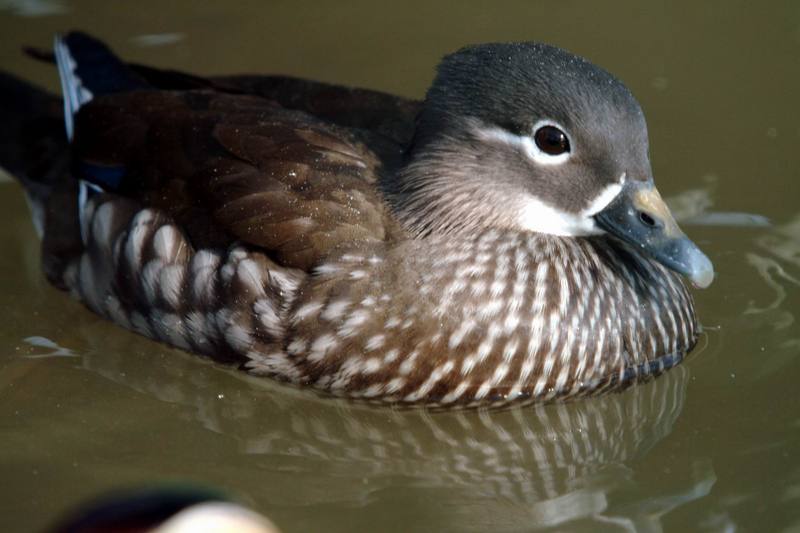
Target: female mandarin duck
point(501, 241)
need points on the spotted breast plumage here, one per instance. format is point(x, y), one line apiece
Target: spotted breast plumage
point(500, 241)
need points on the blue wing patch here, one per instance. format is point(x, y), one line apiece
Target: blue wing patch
point(108, 177)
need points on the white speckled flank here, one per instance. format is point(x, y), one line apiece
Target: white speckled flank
point(511, 316)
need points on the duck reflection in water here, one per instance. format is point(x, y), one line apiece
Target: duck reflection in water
point(522, 467)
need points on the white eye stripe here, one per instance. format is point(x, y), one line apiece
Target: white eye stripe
point(534, 214)
point(543, 158)
point(526, 143)
point(537, 154)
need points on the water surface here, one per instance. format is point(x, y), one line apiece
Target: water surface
point(713, 445)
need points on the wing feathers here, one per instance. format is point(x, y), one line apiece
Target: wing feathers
point(223, 164)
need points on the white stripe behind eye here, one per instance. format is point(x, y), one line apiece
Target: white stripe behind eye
point(527, 144)
point(539, 216)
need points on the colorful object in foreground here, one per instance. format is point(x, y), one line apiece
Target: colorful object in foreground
point(163, 510)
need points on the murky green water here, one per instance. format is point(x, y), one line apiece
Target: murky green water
point(714, 445)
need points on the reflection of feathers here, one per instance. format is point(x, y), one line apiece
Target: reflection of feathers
point(557, 462)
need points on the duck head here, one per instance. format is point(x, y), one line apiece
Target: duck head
point(527, 136)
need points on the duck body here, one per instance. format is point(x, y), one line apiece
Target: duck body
point(366, 245)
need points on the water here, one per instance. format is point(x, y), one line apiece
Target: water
point(713, 445)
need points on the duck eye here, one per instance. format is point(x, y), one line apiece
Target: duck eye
point(551, 140)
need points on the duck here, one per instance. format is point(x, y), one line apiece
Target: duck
point(500, 241)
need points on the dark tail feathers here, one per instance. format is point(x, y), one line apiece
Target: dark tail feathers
point(32, 136)
point(98, 68)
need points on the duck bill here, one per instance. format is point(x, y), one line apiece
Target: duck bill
point(639, 217)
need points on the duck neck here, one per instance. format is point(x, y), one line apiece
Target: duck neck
point(447, 187)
